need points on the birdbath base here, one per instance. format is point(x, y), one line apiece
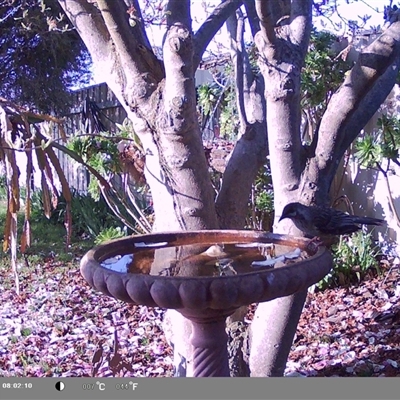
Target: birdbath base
point(210, 355)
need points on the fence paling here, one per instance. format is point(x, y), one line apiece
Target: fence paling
point(112, 113)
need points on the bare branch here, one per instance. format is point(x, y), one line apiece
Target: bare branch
point(267, 19)
point(358, 98)
point(252, 16)
point(178, 11)
point(211, 26)
point(235, 25)
point(131, 46)
point(301, 23)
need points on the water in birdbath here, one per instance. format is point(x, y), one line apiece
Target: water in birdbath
point(214, 260)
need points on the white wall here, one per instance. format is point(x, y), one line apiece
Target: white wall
point(367, 189)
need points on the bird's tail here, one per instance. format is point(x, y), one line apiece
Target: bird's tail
point(368, 220)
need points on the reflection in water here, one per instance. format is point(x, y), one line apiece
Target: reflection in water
point(118, 263)
point(201, 260)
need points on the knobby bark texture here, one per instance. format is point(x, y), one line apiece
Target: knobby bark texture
point(250, 150)
point(302, 173)
point(159, 98)
point(351, 107)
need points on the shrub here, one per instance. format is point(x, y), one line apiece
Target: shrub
point(353, 257)
point(89, 216)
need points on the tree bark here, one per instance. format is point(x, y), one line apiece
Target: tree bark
point(271, 335)
point(282, 51)
point(297, 174)
point(250, 150)
point(159, 98)
point(350, 108)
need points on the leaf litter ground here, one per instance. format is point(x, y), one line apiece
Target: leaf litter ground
point(60, 327)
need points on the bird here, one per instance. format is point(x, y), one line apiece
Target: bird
point(315, 221)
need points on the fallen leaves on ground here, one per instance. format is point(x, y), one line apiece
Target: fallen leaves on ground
point(352, 331)
point(60, 327)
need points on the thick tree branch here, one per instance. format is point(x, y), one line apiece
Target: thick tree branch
point(364, 112)
point(135, 14)
point(368, 83)
point(178, 11)
point(280, 63)
point(87, 20)
point(280, 10)
point(301, 23)
point(235, 25)
point(250, 150)
point(211, 26)
point(115, 50)
point(130, 46)
point(267, 18)
point(369, 105)
point(178, 56)
point(247, 158)
point(177, 134)
point(252, 16)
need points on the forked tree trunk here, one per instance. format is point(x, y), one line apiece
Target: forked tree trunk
point(301, 173)
point(160, 99)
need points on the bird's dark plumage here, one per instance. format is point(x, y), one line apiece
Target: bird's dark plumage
point(316, 221)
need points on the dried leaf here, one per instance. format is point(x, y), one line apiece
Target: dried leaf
point(26, 236)
point(7, 231)
point(66, 191)
point(61, 130)
point(42, 164)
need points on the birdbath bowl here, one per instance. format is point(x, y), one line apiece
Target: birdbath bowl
point(206, 276)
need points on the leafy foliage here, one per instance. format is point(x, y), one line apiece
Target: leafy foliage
point(41, 56)
point(98, 151)
point(353, 258)
point(381, 144)
point(216, 102)
point(229, 121)
point(3, 186)
point(261, 202)
point(322, 74)
point(89, 216)
point(109, 234)
point(379, 149)
point(106, 156)
point(208, 95)
point(20, 131)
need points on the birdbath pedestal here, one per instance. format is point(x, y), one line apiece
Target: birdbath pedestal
point(206, 276)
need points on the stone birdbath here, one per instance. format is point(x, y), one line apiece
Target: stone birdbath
point(206, 276)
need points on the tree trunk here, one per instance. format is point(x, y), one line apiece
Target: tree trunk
point(271, 332)
point(160, 99)
point(298, 173)
point(282, 50)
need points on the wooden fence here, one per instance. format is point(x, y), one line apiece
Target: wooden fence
point(111, 112)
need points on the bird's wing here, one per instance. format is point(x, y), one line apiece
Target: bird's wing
point(336, 222)
point(368, 220)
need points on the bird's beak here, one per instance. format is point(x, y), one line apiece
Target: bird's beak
point(282, 217)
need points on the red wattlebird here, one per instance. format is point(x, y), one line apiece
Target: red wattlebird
point(316, 221)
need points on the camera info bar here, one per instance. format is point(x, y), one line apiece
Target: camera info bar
point(198, 388)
